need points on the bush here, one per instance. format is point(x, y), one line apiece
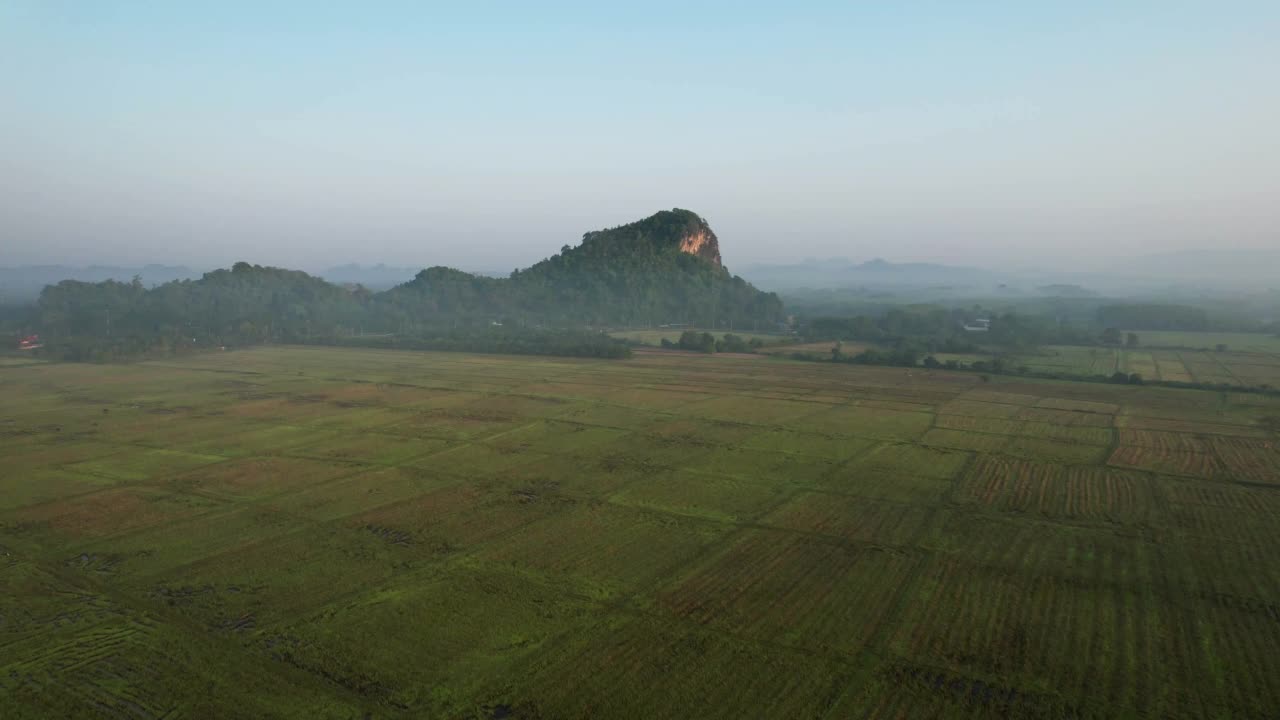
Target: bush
point(696, 341)
point(733, 343)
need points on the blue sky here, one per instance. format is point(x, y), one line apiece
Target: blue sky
point(488, 134)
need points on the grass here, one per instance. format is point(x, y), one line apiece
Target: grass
point(305, 532)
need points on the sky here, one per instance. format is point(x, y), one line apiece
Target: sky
point(486, 135)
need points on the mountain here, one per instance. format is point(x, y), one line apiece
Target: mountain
point(1215, 271)
point(668, 230)
point(665, 268)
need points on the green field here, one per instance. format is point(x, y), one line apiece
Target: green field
point(1251, 360)
point(325, 533)
point(1231, 367)
point(1071, 359)
point(1244, 342)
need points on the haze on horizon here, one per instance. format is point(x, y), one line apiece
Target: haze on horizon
point(487, 135)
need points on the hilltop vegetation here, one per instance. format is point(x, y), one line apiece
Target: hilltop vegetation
point(661, 269)
point(665, 267)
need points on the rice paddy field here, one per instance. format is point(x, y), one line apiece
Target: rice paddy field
point(1231, 367)
point(1245, 342)
point(333, 533)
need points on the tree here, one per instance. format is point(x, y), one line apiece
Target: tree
point(1131, 340)
point(1220, 347)
point(707, 342)
point(1111, 336)
point(696, 341)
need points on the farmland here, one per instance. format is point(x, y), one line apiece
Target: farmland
point(1248, 360)
point(339, 533)
point(1245, 342)
point(1253, 368)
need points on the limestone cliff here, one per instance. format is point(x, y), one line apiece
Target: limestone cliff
point(702, 242)
point(682, 229)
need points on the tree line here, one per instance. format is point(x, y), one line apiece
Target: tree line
point(705, 342)
point(932, 329)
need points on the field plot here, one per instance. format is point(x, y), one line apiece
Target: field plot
point(1077, 434)
point(1168, 462)
point(1252, 369)
point(1246, 342)
point(856, 518)
point(786, 588)
point(647, 667)
point(326, 533)
point(1108, 647)
point(1249, 459)
point(1248, 359)
point(1169, 366)
point(1057, 491)
point(1140, 362)
point(1071, 359)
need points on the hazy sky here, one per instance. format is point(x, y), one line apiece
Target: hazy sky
point(487, 134)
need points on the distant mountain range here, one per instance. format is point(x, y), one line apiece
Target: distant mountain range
point(21, 284)
point(1225, 271)
point(873, 275)
point(1214, 271)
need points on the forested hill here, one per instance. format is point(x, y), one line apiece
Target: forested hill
point(663, 269)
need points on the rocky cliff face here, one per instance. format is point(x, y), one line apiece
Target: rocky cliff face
point(670, 229)
point(702, 242)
